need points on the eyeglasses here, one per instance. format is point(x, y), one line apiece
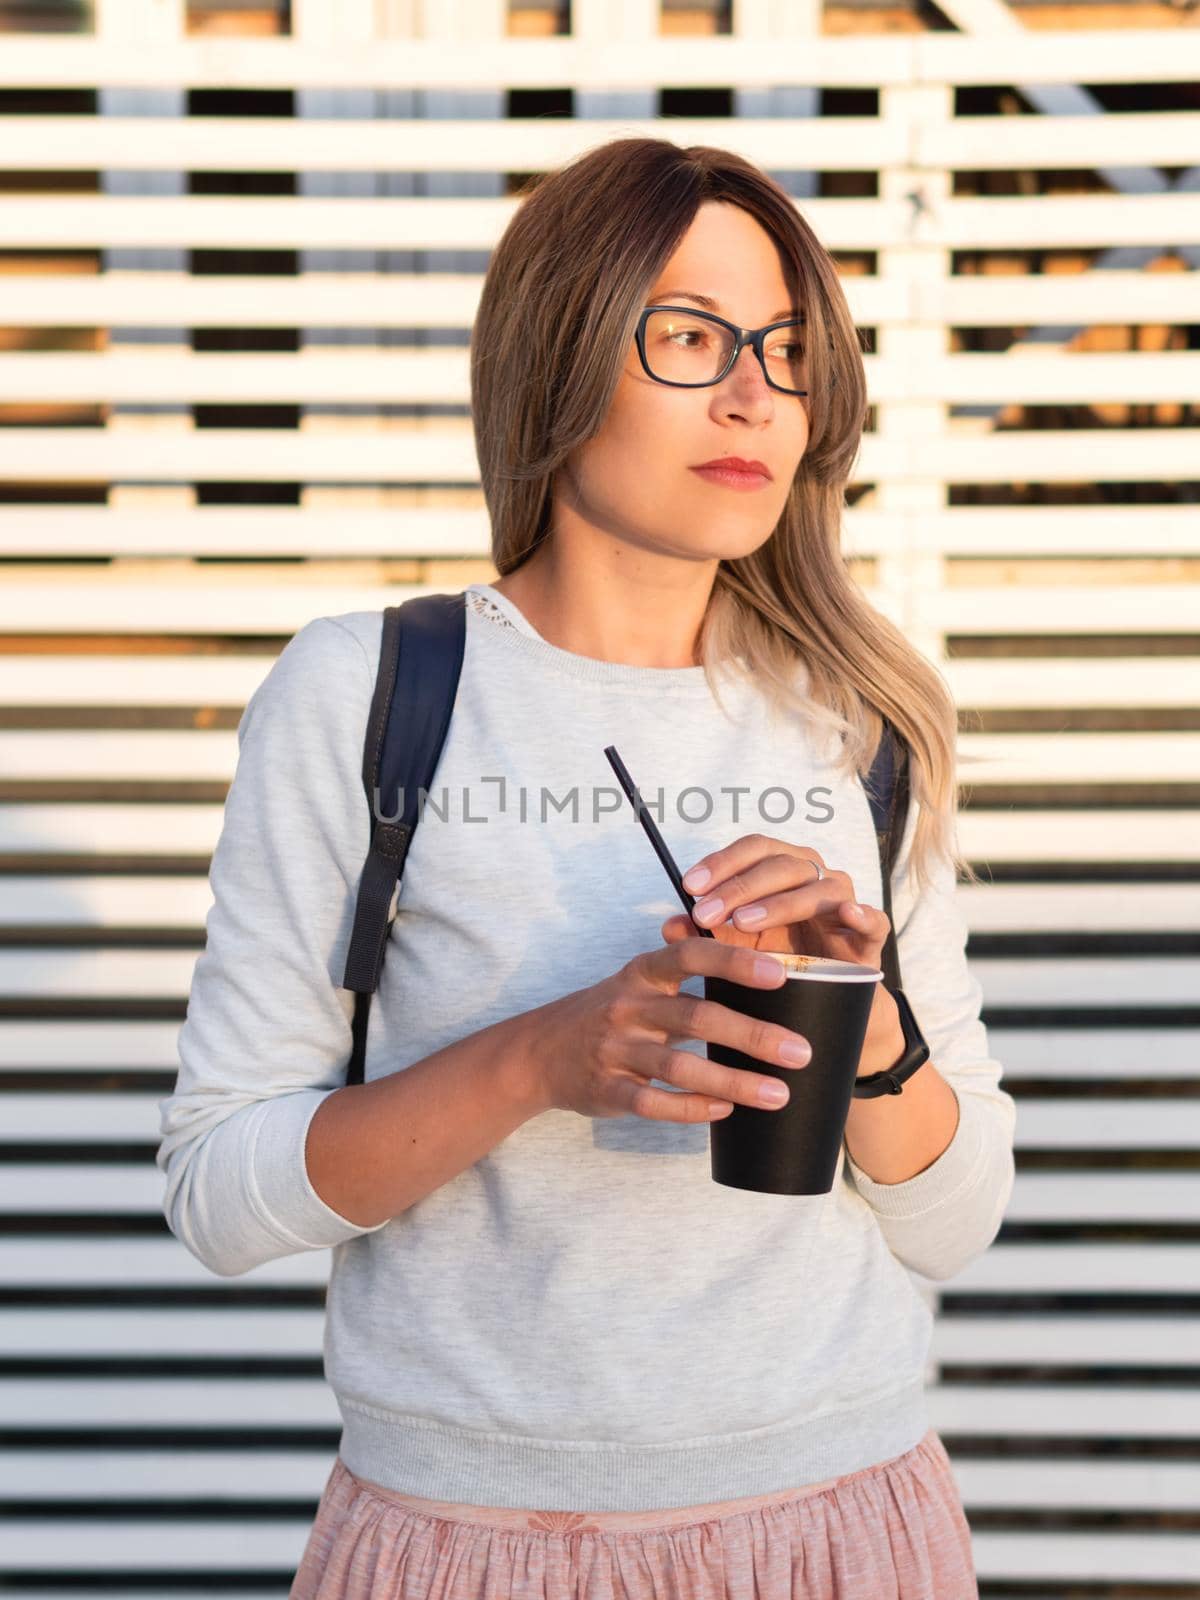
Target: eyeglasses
point(691, 349)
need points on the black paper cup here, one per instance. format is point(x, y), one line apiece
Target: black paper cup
point(794, 1150)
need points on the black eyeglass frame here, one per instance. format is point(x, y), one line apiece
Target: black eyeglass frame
point(741, 338)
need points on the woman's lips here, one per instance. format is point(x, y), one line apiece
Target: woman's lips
point(732, 477)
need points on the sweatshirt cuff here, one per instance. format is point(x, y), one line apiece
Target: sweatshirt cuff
point(291, 1207)
point(957, 1168)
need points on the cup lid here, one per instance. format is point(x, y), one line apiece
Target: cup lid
point(825, 968)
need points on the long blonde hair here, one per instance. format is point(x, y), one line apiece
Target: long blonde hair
point(560, 302)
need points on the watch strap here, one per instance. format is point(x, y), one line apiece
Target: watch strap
point(916, 1054)
point(888, 790)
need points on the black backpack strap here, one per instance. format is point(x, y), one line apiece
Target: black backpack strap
point(887, 787)
point(420, 659)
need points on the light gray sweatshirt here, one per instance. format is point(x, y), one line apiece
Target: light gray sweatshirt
point(584, 1319)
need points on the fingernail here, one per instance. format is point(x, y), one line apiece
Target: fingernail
point(799, 1053)
point(708, 908)
point(750, 913)
point(773, 1094)
point(696, 878)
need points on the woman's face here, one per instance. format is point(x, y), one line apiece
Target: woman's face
point(635, 478)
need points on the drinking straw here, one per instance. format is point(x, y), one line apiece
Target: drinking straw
point(652, 833)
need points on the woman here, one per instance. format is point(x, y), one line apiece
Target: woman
point(567, 1362)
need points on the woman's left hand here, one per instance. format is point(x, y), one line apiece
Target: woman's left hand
point(801, 915)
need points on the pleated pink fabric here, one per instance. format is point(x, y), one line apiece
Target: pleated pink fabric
point(896, 1531)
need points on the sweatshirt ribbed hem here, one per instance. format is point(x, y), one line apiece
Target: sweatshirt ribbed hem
point(414, 1455)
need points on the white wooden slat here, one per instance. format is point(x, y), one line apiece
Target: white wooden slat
point(146, 831)
point(1090, 1340)
point(1036, 56)
point(89, 1046)
point(1066, 610)
point(432, 63)
point(52, 1475)
point(41, 222)
point(183, 901)
point(1061, 1268)
point(1097, 1052)
point(1100, 1556)
point(1068, 907)
point(1067, 1268)
point(379, 144)
point(414, 530)
point(408, 452)
point(209, 754)
point(173, 1403)
point(56, 1189)
point(1078, 757)
point(1154, 608)
point(1118, 1124)
point(151, 299)
point(14, 1591)
point(334, 376)
point(196, 755)
point(213, 222)
point(148, 1263)
point(1110, 1052)
point(1118, 981)
point(1076, 299)
point(991, 143)
point(1034, 530)
point(1018, 377)
point(1029, 683)
point(1101, 837)
point(1140, 980)
point(320, 375)
point(121, 1545)
point(968, 454)
point(282, 144)
point(107, 902)
point(98, 1118)
point(198, 604)
point(1075, 1196)
point(990, 837)
point(183, 1333)
point(388, 454)
point(125, 1544)
point(1084, 1411)
point(1094, 55)
point(40, 531)
point(369, 300)
point(132, 680)
point(1109, 1124)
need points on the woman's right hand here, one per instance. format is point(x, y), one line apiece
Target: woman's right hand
point(596, 1050)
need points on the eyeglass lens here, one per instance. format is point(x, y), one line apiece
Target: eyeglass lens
point(685, 347)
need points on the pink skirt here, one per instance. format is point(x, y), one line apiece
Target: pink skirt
point(896, 1531)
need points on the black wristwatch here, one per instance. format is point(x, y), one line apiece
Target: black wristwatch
point(916, 1054)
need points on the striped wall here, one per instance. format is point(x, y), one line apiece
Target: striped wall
point(238, 271)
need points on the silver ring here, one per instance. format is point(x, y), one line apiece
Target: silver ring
point(820, 871)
